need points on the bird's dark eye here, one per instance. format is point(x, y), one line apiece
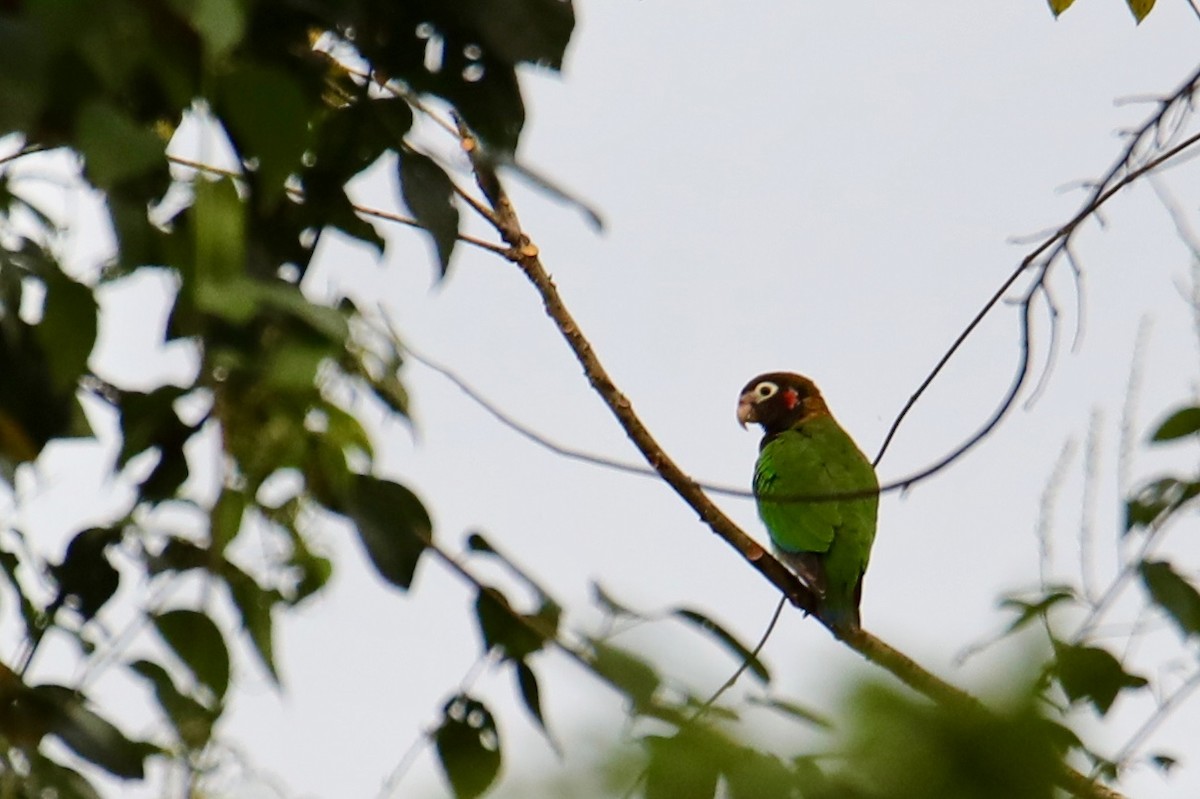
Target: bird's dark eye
point(765, 389)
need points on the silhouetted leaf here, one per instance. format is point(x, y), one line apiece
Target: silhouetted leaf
point(743, 653)
point(225, 519)
point(90, 736)
point(85, 577)
point(531, 696)
point(392, 524)
point(468, 745)
point(193, 722)
point(1059, 6)
point(429, 195)
point(254, 604)
point(1158, 498)
point(67, 330)
point(1174, 594)
point(1091, 673)
point(1184, 422)
point(267, 115)
point(610, 605)
point(67, 783)
point(149, 420)
point(534, 31)
point(502, 627)
point(198, 642)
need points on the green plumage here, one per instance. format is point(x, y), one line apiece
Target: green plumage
point(805, 453)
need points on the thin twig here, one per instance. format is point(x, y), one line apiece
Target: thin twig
point(1121, 174)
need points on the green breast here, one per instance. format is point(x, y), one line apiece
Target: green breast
point(817, 457)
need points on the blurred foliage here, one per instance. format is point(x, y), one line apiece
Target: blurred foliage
point(1139, 8)
point(306, 96)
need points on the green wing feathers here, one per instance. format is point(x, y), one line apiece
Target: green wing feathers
point(818, 457)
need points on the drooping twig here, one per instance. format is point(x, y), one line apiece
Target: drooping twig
point(1124, 171)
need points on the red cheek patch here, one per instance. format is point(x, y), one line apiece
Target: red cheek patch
point(791, 398)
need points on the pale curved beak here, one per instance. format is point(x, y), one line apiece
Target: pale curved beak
point(745, 411)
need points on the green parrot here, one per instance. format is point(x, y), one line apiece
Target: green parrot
point(804, 453)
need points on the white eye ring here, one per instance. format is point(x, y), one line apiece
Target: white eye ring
point(765, 389)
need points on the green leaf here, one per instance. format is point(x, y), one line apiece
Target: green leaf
point(532, 698)
point(500, 626)
point(429, 195)
point(90, 736)
point(681, 767)
point(392, 524)
point(195, 638)
point(1140, 8)
point(1092, 674)
point(1059, 6)
point(625, 671)
point(225, 519)
point(751, 775)
point(468, 745)
point(1174, 594)
point(1157, 499)
point(740, 651)
point(220, 23)
point(220, 248)
point(1184, 422)
point(266, 114)
point(67, 783)
point(115, 147)
point(193, 722)
point(254, 604)
point(67, 330)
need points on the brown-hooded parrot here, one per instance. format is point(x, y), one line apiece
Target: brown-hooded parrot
point(806, 454)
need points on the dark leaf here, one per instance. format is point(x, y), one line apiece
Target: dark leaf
point(9, 563)
point(740, 651)
point(67, 330)
point(149, 420)
point(429, 195)
point(1091, 673)
point(254, 604)
point(67, 783)
point(628, 673)
point(500, 626)
point(225, 520)
point(531, 696)
point(534, 31)
point(681, 767)
point(1174, 594)
point(267, 114)
point(193, 722)
point(392, 524)
point(1184, 422)
point(90, 736)
point(85, 577)
point(198, 642)
point(1157, 499)
point(115, 147)
point(468, 745)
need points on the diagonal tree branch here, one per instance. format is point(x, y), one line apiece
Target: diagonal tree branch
point(525, 255)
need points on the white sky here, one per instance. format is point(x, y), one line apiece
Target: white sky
point(824, 188)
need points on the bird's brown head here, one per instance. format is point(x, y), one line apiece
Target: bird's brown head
point(779, 400)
